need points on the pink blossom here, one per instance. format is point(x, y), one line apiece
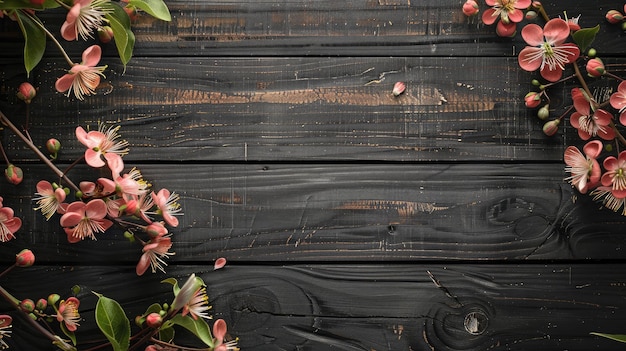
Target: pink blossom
point(618, 101)
point(83, 78)
point(547, 50)
point(85, 220)
point(154, 254)
point(101, 143)
point(590, 123)
point(615, 175)
point(68, 313)
point(48, 198)
point(584, 169)
point(168, 206)
point(198, 305)
point(219, 333)
point(8, 223)
point(507, 10)
point(84, 18)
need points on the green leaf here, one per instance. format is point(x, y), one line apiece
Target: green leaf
point(616, 337)
point(166, 334)
point(113, 323)
point(68, 333)
point(34, 41)
point(197, 326)
point(155, 8)
point(585, 36)
point(124, 37)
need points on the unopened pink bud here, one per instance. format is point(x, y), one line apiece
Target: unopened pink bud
point(156, 229)
point(398, 88)
point(595, 67)
point(470, 8)
point(26, 92)
point(27, 305)
point(14, 174)
point(551, 127)
point(506, 30)
point(536, 4)
point(532, 99)
point(25, 258)
point(154, 320)
point(105, 34)
point(53, 146)
point(614, 16)
point(42, 304)
point(531, 15)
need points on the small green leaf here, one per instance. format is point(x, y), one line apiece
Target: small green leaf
point(174, 282)
point(584, 37)
point(197, 326)
point(124, 37)
point(68, 333)
point(616, 337)
point(166, 334)
point(155, 8)
point(34, 40)
point(113, 323)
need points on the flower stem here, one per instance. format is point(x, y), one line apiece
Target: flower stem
point(42, 157)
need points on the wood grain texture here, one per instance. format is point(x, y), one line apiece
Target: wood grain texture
point(373, 307)
point(267, 109)
point(321, 212)
point(330, 28)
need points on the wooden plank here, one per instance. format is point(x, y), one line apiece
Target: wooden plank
point(466, 109)
point(360, 212)
point(369, 307)
point(330, 28)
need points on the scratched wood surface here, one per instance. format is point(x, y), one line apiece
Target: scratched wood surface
point(332, 199)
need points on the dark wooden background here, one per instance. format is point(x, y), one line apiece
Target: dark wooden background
point(330, 198)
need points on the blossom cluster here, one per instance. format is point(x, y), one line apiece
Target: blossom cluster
point(562, 45)
point(84, 20)
point(124, 199)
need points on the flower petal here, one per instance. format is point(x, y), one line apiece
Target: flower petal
point(532, 34)
point(489, 16)
point(593, 148)
point(556, 31)
point(551, 75)
point(529, 58)
point(96, 209)
point(91, 56)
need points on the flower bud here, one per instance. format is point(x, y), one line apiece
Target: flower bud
point(25, 258)
point(536, 4)
point(154, 320)
point(14, 174)
point(42, 304)
point(591, 53)
point(544, 112)
point(105, 34)
point(531, 15)
point(398, 88)
point(53, 146)
point(26, 92)
point(131, 11)
point(595, 67)
point(151, 348)
point(53, 299)
point(551, 127)
point(614, 16)
point(532, 99)
point(27, 305)
point(470, 8)
point(156, 229)
point(139, 320)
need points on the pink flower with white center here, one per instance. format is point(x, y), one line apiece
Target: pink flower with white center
point(68, 313)
point(83, 78)
point(48, 198)
point(138, 206)
point(547, 50)
point(8, 223)
point(82, 220)
point(5, 329)
point(584, 169)
point(102, 143)
point(605, 194)
point(168, 206)
point(84, 18)
point(154, 254)
point(219, 333)
point(507, 10)
point(588, 123)
point(198, 305)
point(615, 175)
point(618, 101)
